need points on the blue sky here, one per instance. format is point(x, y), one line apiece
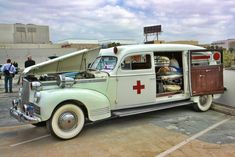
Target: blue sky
point(203, 20)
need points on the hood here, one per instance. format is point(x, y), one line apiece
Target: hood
point(75, 61)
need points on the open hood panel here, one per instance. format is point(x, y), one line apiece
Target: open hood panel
point(76, 62)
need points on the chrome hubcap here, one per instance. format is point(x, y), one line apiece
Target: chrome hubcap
point(203, 100)
point(67, 121)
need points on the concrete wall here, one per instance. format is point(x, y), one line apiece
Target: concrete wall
point(232, 44)
point(38, 54)
point(24, 33)
point(6, 31)
point(228, 98)
point(31, 33)
point(29, 46)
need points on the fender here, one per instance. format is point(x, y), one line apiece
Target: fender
point(195, 99)
point(97, 104)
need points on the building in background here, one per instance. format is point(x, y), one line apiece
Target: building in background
point(24, 33)
point(17, 41)
point(227, 44)
point(108, 43)
point(78, 44)
point(190, 42)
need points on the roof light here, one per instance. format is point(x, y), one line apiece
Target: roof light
point(115, 50)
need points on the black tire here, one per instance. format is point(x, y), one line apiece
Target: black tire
point(204, 103)
point(67, 121)
point(40, 124)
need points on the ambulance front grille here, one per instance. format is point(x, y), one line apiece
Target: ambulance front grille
point(25, 92)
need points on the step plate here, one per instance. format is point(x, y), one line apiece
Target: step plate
point(150, 108)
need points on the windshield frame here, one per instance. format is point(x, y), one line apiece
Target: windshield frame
point(99, 60)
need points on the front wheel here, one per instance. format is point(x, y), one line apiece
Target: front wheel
point(204, 103)
point(67, 121)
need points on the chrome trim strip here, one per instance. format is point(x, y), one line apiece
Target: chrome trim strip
point(48, 83)
point(128, 75)
point(21, 117)
point(77, 81)
point(90, 80)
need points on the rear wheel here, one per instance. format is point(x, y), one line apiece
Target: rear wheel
point(67, 121)
point(204, 103)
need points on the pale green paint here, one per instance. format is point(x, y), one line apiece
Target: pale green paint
point(92, 100)
point(111, 92)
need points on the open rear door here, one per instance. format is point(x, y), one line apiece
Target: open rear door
point(206, 72)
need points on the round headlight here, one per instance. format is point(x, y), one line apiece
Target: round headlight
point(35, 85)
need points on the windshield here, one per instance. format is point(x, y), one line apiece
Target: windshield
point(104, 63)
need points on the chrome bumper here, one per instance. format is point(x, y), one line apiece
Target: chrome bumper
point(21, 116)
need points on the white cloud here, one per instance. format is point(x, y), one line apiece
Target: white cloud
point(203, 20)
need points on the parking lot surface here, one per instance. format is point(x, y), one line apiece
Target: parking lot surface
point(176, 132)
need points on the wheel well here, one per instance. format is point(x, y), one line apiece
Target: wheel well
point(76, 102)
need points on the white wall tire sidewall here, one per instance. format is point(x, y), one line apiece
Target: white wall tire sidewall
point(69, 134)
point(207, 105)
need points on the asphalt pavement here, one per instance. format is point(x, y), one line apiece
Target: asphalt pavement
point(5, 102)
point(173, 132)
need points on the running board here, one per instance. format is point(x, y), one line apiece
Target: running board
point(150, 108)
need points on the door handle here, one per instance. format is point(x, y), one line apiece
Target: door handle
point(201, 75)
point(208, 70)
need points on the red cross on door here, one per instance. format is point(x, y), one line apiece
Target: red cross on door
point(138, 87)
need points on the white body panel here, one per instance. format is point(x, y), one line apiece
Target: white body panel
point(144, 93)
point(96, 103)
point(121, 88)
point(122, 81)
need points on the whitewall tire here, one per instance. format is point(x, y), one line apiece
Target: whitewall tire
point(203, 103)
point(67, 121)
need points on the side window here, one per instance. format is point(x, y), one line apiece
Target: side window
point(137, 62)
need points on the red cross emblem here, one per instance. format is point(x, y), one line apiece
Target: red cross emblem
point(138, 87)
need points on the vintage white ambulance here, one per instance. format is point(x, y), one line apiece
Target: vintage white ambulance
point(122, 81)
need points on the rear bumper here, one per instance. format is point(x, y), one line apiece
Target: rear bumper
point(21, 116)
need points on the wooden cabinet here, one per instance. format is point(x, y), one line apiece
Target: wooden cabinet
point(207, 80)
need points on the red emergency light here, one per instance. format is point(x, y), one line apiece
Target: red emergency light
point(216, 56)
point(115, 50)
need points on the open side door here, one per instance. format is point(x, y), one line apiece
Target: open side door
point(206, 72)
